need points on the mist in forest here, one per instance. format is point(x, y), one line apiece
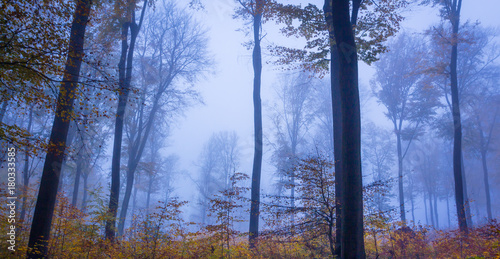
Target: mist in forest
point(217, 125)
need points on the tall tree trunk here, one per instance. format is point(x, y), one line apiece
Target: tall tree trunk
point(79, 165)
point(44, 210)
point(337, 123)
point(457, 124)
point(85, 183)
point(412, 208)
point(431, 210)
point(436, 211)
point(402, 211)
point(26, 175)
point(150, 185)
point(125, 77)
point(484, 144)
point(468, 215)
point(257, 110)
point(425, 208)
point(352, 242)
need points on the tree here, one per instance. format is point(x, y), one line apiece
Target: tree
point(450, 10)
point(219, 160)
point(125, 78)
point(42, 218)
point(404, 93)
point(292, 115)
point(341, 23)
point(477, 68)
point(179, 55)
point(255, 10)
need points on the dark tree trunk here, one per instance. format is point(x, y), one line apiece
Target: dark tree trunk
point(125, 77)
point(44, 210)
point(457, 124)
point(257, 109)
point(337, 122)
point(352, 242)
point(79, 165)
point(402, 211)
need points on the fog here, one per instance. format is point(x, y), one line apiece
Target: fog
point(188, 137)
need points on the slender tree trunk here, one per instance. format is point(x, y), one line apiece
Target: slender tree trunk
point(84, 199)
point(79, 165)
point(150, 185)
point(352, 242)
point(431, 210)
point(413, 209)
point(468, 215)
point(484, 149)
point(44, 210)
point(117, 145)
point(436, 211)
point(425, 208)
point(402, 211)
point(125, 77)
point(457, 124)
point(135, 195)
point(26, 175)
point(257, 159)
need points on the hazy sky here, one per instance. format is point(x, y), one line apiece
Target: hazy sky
point(227, 92)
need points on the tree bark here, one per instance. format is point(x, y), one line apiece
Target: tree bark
point(337, 123)
point(457, 124)
point(44, 210)
point(436, 211)
point(257, 159)
point(352, 242)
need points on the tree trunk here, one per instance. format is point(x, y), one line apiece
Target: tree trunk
point(26, 175)
point(125, 77)
point(257, 109)
point(431, 210)
point(352, 243)
point(44, 210)
point(402, 211)
point(425, 208)
point(79, 165)
point(84, 199)
point(457, 124)
point(436, 211)
point(412, 209)
point(150, 185)
point(337, 123)
point(484, 149)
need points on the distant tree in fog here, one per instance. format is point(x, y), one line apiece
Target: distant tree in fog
point(218, 161)
point(400, 86)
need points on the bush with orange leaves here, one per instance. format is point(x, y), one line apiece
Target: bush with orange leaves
point(481, 242)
